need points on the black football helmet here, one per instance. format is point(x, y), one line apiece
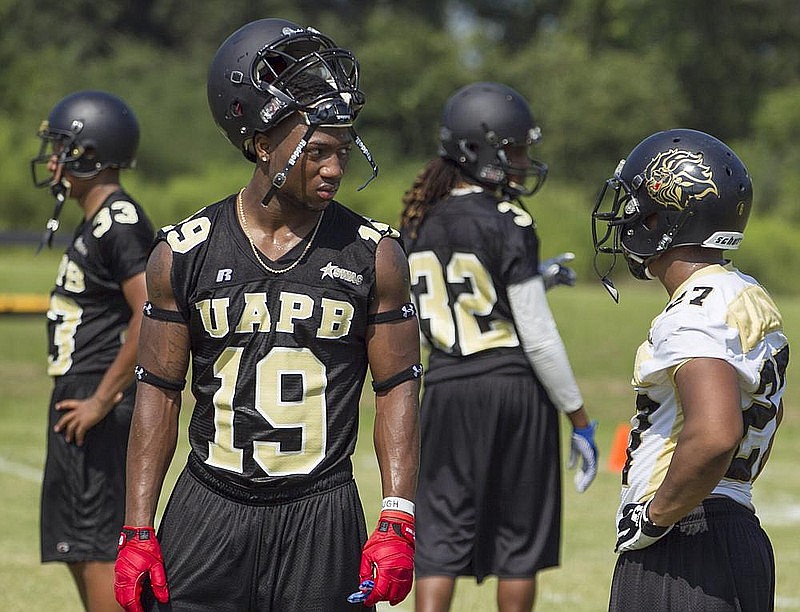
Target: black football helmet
point(677, 187)
point(251, 78)
point(478, 121)
point(86, 132)
point(250, 75)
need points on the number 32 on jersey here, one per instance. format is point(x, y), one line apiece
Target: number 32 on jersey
point(461, 324)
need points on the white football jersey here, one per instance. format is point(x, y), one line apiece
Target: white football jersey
point(721, 313)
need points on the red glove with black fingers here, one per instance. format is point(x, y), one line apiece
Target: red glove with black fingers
point(388, 558)
point(138, 555)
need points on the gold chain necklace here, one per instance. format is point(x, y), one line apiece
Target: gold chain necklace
point(240, 203)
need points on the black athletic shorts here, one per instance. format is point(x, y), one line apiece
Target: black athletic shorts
point(83, 490)
point(716, 559)
point(301, 552)
point(489, 494)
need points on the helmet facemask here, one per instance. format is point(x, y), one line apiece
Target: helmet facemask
point(325, 107)
point(489, 162)
point(66, 149)
point(277, 67)
point(639, 230)
point(519, 179)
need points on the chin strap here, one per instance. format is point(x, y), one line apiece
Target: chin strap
point(367, 155)
point(279, 180)
point(60, 191)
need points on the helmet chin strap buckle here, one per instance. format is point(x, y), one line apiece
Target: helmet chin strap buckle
point(612, 290)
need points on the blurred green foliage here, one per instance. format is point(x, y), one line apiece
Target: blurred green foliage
point(600, 75)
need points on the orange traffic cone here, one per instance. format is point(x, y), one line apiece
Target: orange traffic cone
point(619, 446)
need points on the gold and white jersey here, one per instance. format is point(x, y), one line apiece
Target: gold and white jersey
point(717, 312)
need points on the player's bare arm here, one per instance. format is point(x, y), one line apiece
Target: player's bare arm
point(81, 415)
point(711, 433)
point(163, 352)
point(394, 347)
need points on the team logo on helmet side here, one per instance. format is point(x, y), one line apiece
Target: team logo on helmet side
point(676, 177)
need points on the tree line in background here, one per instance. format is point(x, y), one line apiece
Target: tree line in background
point(600, 75)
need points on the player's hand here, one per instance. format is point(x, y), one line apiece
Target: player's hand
point(554, 272)
point(635, 529)
point(387, 561)
point(79, 416)
point(138, 556)
point(583, 446)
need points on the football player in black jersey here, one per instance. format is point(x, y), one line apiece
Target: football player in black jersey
point(489, 497)
point(281, 298)
point(93, 326)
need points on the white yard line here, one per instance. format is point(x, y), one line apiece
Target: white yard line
point(21, 471)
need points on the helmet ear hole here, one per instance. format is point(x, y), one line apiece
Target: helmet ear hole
point(468, 152)
point(235, 109)
point(651, 221)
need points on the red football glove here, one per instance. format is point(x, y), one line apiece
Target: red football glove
point(138, 554)
point(388, 558)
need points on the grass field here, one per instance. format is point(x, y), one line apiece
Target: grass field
point(600, 337)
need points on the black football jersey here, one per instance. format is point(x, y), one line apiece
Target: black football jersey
point(88, 315)
point(467, 252)
point(278, 360)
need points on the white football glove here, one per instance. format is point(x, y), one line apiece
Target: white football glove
point(554, 272)
point(582, 445)
point(635, 530)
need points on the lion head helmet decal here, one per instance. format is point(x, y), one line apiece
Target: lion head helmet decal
point(676, 177)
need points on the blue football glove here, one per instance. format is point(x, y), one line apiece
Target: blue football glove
point(364, 591)
point(635, 529)
point(554, 272)
point(582, 445)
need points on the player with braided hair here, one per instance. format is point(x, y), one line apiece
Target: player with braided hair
point(489, 496)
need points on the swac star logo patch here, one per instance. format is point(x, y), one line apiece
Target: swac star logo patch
point(331, 270)
point(327, 271)
point(676, 177)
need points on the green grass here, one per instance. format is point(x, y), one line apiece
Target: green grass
point(601, 338)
